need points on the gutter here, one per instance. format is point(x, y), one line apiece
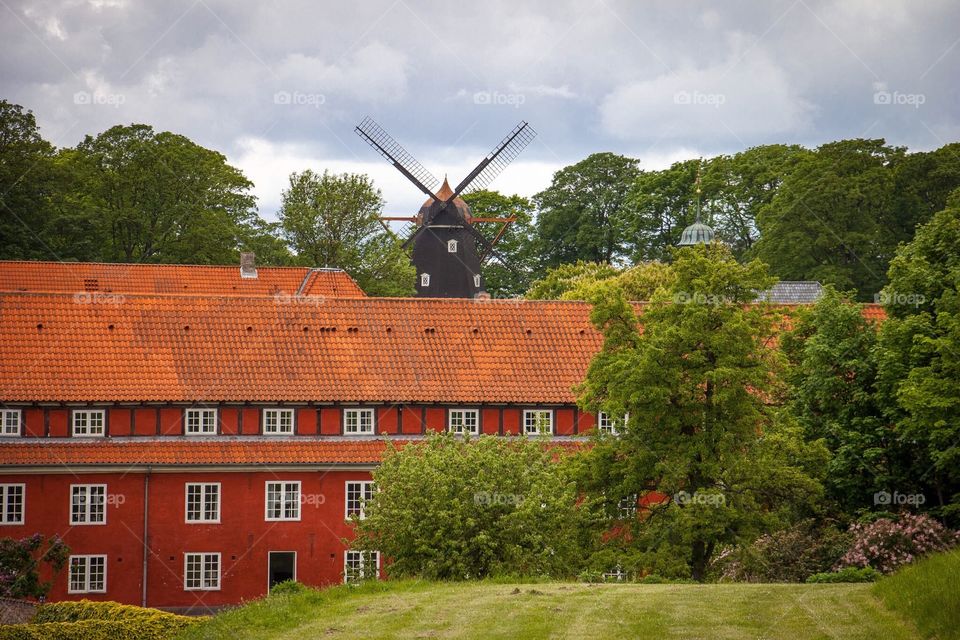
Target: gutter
point(146, 547)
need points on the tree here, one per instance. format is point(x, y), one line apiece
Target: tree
point(583, 280)
point(21, 562)
point(333, 220)
point(833, 218)
point(451, 508)
point(516, 245)
point(919, 369)
point(694, 388)
point(581, 214)
point(832, 352)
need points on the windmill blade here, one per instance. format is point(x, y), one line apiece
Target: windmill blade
point(489, 250)
point(386, 146)
point(413, 236)
point(497, 160)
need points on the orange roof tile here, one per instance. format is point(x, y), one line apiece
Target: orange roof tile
point(92, 278)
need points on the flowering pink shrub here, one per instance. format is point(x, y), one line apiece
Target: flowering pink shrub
point(886, 544)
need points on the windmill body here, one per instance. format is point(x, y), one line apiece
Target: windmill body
point(448, 251)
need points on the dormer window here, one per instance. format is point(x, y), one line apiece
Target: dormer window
point(424, 279)
point(451, 246)
point(476, 281)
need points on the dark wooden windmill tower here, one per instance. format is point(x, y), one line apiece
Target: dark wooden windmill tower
point(448, 250)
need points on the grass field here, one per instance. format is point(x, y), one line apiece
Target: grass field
point(928, 593)
point(559, 610)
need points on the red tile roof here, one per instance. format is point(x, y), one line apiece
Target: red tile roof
point(93, 278)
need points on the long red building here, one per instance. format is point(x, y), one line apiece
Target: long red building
point(196, 434)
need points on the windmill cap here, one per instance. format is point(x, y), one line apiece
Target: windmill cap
point(444, 192)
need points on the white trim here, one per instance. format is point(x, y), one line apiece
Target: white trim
point(283, 500)
point(279, 411)
point(346, 497)
point(360, 412)
point(4, 414)
point(203, 413)
point(424, 279)
point(4, 495)
point(86, 573)
point(203, 495)
point(464, 411)
point(203, 569)
point(527, 412)
point(87, 504)
point(270, 553)
point(363, 576)
point(88, 414)
point(613, 426)
point(452, 246)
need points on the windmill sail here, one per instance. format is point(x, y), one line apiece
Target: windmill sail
point(386, 146)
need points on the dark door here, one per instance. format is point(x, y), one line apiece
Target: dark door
point(283, 566)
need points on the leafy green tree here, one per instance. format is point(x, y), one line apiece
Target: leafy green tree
point(832, 352)
point(333, 220)
point(516, 244)
point(21, 562)
point(695, 386)
point(452, 509)
point(581, 215)
point(919, 365)
point(584, 280)
point(565, 278)
point(832, 219)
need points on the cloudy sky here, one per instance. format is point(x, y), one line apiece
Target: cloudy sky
point(278, 86)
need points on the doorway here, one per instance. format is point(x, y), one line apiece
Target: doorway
point(281, 566)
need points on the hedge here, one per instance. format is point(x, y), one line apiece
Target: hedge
point(86, 620)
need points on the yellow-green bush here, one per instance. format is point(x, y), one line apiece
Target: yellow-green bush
point(87, 620)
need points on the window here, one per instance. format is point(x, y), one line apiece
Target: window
point(201, 572)
point(10, 422)
point(88, 504)
point(462, 421)
point(203, 502)
point(88, 574)
point(357, 421)
point(357, 495)
point(608, 424)
point(538, 421)
point(11, 496)
point(361, 565)
point(200, 421)
point(476, 281)
point(283, 501)
point(277, 421)
point(451, 246)
point(627, 507)
point(424, 279)
point(88, 422)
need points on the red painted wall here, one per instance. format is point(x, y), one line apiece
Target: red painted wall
point(230, 421)
point(171, 420)
point(490, 421)
point(511, 421)
point(436, 419)
point(563, 419)
point(388, 420)
point(120, 422)
point(145, 421)
point(251, 421)
point(33, 423)
point(585, 422)
point(412, 420)
point(307, 421)
point(330, 421)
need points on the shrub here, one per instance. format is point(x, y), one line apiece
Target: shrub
point(850, 574)
point(88, 620)
point(886, 544)
point(288, 587)
point(789, 555)
point(21, 561)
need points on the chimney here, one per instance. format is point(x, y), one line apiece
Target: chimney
point(248, 264)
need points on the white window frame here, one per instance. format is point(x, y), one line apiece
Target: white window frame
point(452, 246)
point(86, 562)
point(363, 556)
point(628, 506)
point(609, 425)
point(359, 412)
point(206, 490)
point(11, 418)
point(283, 496)
point(365, 488)
point(424, 279)
point(276, 415)
point(203, 557)
point(476, 280)
point(86, 429)
point(202, 414)
point(532, 414)
point(7, 492)
point(87, 512)
point(459, 415)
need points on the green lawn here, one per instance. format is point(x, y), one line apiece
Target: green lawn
point(560, 610)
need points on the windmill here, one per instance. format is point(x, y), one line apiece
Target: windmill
point(448, 250)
